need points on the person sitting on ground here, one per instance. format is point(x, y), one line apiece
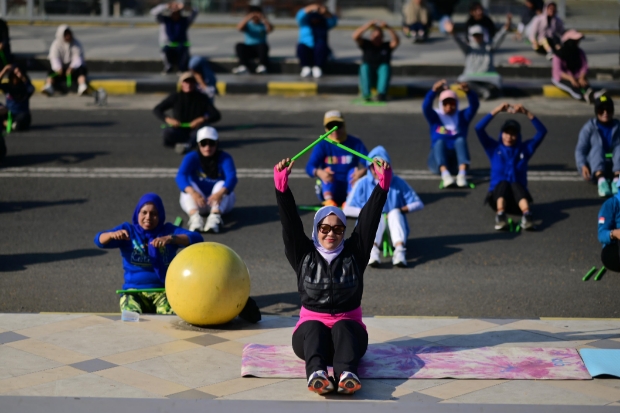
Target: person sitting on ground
point(191, 110)
point(173, 40)
point(207, 178)
point(18, 91)
point(148, 246)
point(442, 12)
point(255, 27)
point(547, 30)
point(597, 154)
point(416, 20)
point(314, 22)
point(205, 78)
point(570, 69)
point(400, 201)
point(609, 232)
point(330, 276)
point(479, 69)
point(532, 9)
point(377, 54)
point(509, 158)
point(449, 127)
point(478, 18)
point(67, 60)
point(6, 57)
point(335, 169)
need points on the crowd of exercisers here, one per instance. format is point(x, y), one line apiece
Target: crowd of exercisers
point(330, 329)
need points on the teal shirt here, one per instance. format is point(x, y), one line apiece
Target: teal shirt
point(255, 33)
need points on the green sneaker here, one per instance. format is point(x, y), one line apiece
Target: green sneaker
point(604, 189)
point(614, 186)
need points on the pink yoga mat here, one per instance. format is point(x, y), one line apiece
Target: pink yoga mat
point(387, 361)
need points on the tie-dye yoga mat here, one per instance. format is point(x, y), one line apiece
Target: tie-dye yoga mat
point(387, 361)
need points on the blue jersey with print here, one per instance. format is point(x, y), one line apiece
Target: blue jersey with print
point(338, 160)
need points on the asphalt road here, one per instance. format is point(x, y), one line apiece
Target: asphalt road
point(458, 264)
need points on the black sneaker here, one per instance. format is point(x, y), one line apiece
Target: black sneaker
point(381, 98)
point(527, 222)
point(501, 222)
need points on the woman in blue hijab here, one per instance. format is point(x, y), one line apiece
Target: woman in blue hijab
point(147, 247)
point(509, 158)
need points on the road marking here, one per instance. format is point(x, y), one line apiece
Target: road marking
point(257, 173)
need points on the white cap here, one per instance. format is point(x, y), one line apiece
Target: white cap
point(477, 29)
point(332, 116)
point(206, 132)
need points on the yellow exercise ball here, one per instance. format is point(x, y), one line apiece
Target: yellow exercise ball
point(207, 283)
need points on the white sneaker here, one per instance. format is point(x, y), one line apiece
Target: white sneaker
point(196, 222)
point(82, 88)
point(399, 258)
point(461, 181)
point(349, 383)
point(240, 70)
point(317, 72)
point(48, 90)
point(375, 257)
point(260, 69)
point(448, 180)
point(306, 71)
point(320, 383)
point(214, 221)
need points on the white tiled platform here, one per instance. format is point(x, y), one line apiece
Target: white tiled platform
point(161, 357)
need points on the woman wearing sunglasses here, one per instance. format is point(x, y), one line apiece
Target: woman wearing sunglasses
point(330, 280)
point(207, 178)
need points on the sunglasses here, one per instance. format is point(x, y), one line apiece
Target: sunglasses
point(207, 142)
point(331, 125)
point(326, 229)
point(603, 110)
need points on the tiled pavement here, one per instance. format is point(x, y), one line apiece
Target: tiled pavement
point(99, 356)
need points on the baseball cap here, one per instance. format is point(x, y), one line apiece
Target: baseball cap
point(447, 94)
point(206, 132)
point(186, 76)
point(603, 101)
point(511, 125)
point(332, 116)
point(572, 34)
point(477, 29)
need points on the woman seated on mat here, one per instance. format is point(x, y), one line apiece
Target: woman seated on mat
point(330, 329)
point(18, 91)
point(401, 200)
point(609, 232)
point(509, 158)
point(449, 127)
point(147, 246)
point(207, 179)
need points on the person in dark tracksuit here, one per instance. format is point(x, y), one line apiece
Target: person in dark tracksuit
point(509, 158)
point(609, 233)
point(330, 280)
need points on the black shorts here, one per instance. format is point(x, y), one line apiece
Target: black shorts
point(512, 192)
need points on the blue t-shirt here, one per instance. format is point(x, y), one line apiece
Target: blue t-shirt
point(190, 172)
point(606, 132)
point(255, 33)
point(201, 65)
point(139, 272)
point(338, 160)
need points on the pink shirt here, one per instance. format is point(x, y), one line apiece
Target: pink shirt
point(558, 67)
point(328, 319)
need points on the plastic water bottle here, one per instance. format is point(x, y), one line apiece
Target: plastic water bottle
point(130, 316)
point(101, 97)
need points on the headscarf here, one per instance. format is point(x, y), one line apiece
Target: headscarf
point(512, 154)
point(450, 122)
point(146, 237)
point(329, 255)
point(209, 164)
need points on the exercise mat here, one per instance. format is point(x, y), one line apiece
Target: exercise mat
point(601, 362)
point(388, 361)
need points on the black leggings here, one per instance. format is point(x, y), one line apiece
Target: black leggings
point(512, 192)
point(247, 53)
point(21, 121)
point(342, 346)
point(611, 257)
point(172, 136)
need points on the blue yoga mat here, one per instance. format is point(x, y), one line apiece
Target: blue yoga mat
point(601, 361)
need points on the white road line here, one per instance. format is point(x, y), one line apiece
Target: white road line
point(256, 173)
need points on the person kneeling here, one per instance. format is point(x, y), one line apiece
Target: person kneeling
point(401, 200)
point(509, 158)
point(208, 170)
point(147, 246)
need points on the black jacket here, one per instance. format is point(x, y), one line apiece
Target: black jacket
point(338, 287)
point(187, 106)
point(486, 24)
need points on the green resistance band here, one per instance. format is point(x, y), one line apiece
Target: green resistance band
point(356, 153)
point(9, 122)
point(588, 274)
point(308, 207)
point(178, 222)
point(609, 155)
point(187, 125)
point(144, 290)
point(177, 44)
point(307, 148)
point(3, 58)
point(600, 273)
point(69, 81)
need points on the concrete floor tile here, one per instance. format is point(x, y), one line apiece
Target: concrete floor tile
point(230, 347)
point(280, 336)
point(13, 322)
point(588, 387)
point(191, 394)
point(233, 386)
point(605, 343)
point(167, 326)
point(93, 365)
point(462, 328)
point(495, 337)
point(142, 381)
point(193, 368)
point(206, 340)
point(14, 362)
point(106, 339)
point(10, 337)
point(416, 397)
point(409, 326)
point(88, 385)
point(146, 353)
point(293, 390)
point(614, 383)
point(65, 324)
point(613, 404)
point(527, 392)
point(588, 329)
point(459, 387)
point(379, 335)
point(553, 330)
point(403, 387)
point(237, 334)
point(40, 377)
point(50, 351)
